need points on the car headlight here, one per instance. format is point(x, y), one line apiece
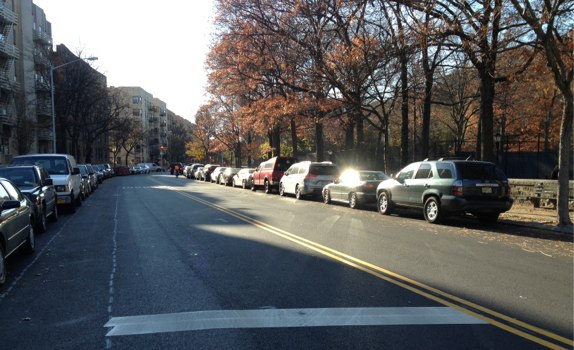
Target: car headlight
point(62, 188)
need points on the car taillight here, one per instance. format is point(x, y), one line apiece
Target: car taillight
point(310, 176)
point(457, 189)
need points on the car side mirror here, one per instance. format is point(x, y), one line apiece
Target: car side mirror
point(10, 204)
point(76, 171)
point(48, 182)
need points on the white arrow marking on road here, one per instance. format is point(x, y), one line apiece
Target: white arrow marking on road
point(283, 318)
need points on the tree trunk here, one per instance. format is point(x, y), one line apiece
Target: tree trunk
point(294, 137)
point(276, 139)
point(487, 91)
point(404, 111)
point(349, 136)
point(564, 165)
point(319, 141)
point(238, 154)
point(249, 141)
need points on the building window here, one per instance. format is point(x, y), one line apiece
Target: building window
point(137, 112)
point(137, 100)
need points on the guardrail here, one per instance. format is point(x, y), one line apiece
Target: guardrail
point(541, 193)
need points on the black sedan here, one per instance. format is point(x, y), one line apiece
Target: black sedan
point(355, 187)
point(16, 229)
point(35, 183)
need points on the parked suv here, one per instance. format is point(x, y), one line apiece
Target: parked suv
point(307, 178)
point(448, 187)
point(269, 173)
point(63, 171)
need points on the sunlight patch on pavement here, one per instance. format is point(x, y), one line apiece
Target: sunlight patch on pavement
point(285, 318)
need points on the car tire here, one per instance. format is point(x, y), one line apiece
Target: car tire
point(353, 201)
point(54, 217)
point(384, 204)
point(30, 244)
point(72, 205)
point(488, 218)
point(432, 210)
point(327, 197)
point(266, 187)
point(298, 194)
point(42, 222)
point(2, 266)
point(281, 189)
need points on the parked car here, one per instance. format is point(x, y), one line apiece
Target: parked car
point(243, 178)
point(190, 174)
point(122, 170)
point(355, 187)
point(93, 177)
point(198, 174)
point(99, 171)
point(447, 187)
point(35, 183)
point(63, 171)
point(153, 167)
point(226, 177)
point(216, 174)
point(143, 168)
point(207, 170)
point(307, 178)
point(269, 173)
point(86, 185)
point(16, 226)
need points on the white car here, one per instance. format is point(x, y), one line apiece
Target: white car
point(307, 178)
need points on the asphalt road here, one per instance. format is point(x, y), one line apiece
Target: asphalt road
point(155, 262)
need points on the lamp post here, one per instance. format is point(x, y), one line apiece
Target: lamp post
point(497, 139)
point(52, 92)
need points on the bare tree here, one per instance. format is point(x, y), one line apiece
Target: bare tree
point(551, 21)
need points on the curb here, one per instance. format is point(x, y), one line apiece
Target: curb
point(555, 230)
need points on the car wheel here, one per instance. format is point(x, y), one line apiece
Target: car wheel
point(384, 204)
point(298, 194)
point(281, 189)
point(72, 205)
point(42, 225)
point(326, 197)
point(2, 266)
point(79, 201)
point(488, 218)
point(54, 216)
point(30, 243)
point(266, 187)
point(432, 210)
point(353, 201)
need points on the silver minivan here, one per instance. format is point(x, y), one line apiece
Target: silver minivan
point(307, 178)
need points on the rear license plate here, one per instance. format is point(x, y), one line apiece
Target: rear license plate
point(61, 201)
point(487, 190)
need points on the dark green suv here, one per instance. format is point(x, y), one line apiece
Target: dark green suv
point(447, 187)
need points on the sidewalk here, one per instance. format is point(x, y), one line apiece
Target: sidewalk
point(524, 214)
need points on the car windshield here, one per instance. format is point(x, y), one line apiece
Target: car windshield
point(372, 176)
point(480, 171)
point(53, 165)
point(21, 177)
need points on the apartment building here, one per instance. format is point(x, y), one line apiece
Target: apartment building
point(151, 113)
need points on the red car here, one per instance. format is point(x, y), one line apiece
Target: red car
point(269, 173)
point(122, 170)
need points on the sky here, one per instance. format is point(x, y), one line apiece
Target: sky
point(158, 45)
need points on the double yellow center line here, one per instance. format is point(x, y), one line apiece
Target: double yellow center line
point(522, 329)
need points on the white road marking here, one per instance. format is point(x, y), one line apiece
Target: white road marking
point(283, 318)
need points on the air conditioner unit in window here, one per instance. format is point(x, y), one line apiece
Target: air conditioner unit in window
point(3, 112)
